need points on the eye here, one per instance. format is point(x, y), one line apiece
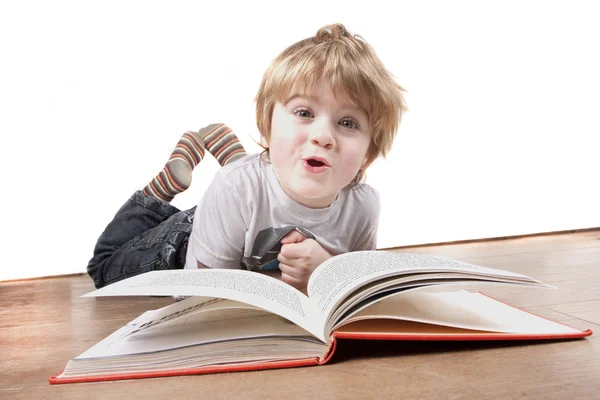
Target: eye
point(303, 113)
point(349, 123)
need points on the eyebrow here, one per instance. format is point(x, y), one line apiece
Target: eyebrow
point(348, 106)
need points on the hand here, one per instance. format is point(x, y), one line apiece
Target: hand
point(298, 258)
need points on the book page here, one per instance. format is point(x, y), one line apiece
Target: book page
point(191, 308)
point(337, 277)
point(194, 333)
point(380, 289)
point(459, 309)
point(245, 286)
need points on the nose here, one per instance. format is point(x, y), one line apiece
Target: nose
point(322, 134)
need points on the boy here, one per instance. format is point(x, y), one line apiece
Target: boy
point(326, 109)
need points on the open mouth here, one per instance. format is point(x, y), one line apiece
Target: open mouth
point(315, 163)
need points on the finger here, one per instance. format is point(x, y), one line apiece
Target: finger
point(293, 237)
point(284, 260)
point(288, 251)
point(296, 250)
point(290, 271)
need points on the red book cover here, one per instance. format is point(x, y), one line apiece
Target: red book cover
point(380, 329)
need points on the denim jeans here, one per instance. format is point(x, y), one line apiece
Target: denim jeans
point(146, 234)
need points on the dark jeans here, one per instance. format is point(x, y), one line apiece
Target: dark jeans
point(145, 235)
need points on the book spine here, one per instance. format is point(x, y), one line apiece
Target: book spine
point(330, 350)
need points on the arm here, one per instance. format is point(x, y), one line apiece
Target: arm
point(200, 265)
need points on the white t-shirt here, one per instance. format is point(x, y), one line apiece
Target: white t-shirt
point(245, 203)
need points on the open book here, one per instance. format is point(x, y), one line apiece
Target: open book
point(239, 320)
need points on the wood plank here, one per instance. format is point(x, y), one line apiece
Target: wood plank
point(585, 310)
point(44, 323)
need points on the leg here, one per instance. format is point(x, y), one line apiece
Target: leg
point(146, 234)
point(176, 176)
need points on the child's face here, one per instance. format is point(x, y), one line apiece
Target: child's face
point(318, 143)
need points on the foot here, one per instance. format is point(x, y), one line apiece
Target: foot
point(222, 143)
point(176, 176)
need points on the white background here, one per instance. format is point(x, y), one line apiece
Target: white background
point(501, 138)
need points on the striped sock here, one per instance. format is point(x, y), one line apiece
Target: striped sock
point(222, 143)
point(176, 176)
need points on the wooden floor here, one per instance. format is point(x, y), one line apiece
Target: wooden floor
point(44, 323)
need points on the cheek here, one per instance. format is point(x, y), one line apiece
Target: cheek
point(359, 151)
point(352, 166)
point(281, 150)
point(285, 139)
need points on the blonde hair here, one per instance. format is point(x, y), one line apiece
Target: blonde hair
point(352, 67)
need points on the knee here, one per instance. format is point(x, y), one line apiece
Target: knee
point(94, 270)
